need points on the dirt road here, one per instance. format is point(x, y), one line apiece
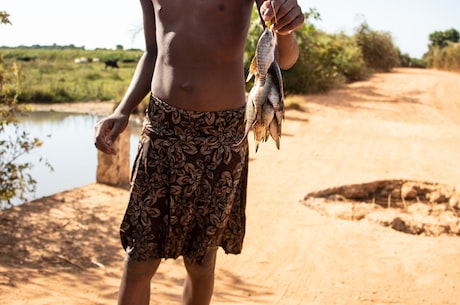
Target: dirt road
point(403, 125)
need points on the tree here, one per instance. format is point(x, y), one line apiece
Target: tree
point(444, 50)
point(441, 39)
point(15, 179)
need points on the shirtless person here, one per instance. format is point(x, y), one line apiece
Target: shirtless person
point(188, 190)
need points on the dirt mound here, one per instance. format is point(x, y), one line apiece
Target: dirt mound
point(414, 207)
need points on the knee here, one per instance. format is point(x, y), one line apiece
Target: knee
point(203, 269)
point(140, 269)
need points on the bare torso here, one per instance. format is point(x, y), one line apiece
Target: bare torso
point(200, 45)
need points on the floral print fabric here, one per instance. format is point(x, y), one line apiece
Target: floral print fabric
point(189, 179)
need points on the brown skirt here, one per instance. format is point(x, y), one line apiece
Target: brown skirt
point(189, 179)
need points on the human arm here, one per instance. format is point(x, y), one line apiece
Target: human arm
point(285, 16)
point(108, 129)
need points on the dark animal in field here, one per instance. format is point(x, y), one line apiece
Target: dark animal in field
point(25, 58)
point(111, 63)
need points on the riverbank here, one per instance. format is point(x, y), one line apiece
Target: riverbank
point(96, 108)
point(403, 125)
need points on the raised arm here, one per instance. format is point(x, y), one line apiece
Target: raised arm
point(285, 17)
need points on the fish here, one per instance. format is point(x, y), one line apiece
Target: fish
point(257, 97)
point(264, 111)
point(277, 101)
point(261, 128)
point(263, 57)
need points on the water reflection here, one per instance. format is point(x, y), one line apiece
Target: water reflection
point(68, 146)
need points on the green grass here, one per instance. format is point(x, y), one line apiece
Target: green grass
point(52, 76)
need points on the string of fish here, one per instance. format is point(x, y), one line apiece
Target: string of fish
point(264, 110)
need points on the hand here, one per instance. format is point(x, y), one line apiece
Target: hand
point(284, 15)
point(107, 130)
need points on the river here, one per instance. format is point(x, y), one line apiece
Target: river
point(68, 146)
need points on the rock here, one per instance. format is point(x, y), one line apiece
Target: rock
point(454, 201)
point(437, 197)
point(419, 208)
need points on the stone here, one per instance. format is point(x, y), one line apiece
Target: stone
point(114, 170)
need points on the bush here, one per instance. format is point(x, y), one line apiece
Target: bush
point(445, 58)
point(379, 52)
point(315, 70)
point(326, 62)
point(15, 180)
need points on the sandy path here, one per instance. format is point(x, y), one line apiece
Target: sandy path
point(399, 125)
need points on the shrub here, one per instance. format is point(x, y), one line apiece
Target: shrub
point(446, 58)
point(326, 62)
point(15, 179)
point(379, 52)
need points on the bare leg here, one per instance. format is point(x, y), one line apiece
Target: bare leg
point(135, 282)
point(199, 283)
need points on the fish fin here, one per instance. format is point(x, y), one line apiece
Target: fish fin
point(249, 117)
point(275, 132)
point(252, 68)
point(258, 132)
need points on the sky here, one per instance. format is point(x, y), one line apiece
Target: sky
point(108, 23)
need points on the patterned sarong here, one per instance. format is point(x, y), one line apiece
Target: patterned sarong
point(189, 179)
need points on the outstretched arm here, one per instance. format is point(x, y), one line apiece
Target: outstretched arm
point(285, 16)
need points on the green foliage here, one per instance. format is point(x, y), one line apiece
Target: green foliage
point(15, 179)
point(349, 58)
point(408, 62)
point(51, 75)
point(444, 50)
point(419, 63)
point(379, 52)
point(442, 39)
point(327, 61)
point(315, 70)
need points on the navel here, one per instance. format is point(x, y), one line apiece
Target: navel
point(221, 7)
point(187, 86)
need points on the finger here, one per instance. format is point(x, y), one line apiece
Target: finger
point(291, 21)
point(275, 9)
point(104, 147)
point(102, 129)
point(266, 11)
